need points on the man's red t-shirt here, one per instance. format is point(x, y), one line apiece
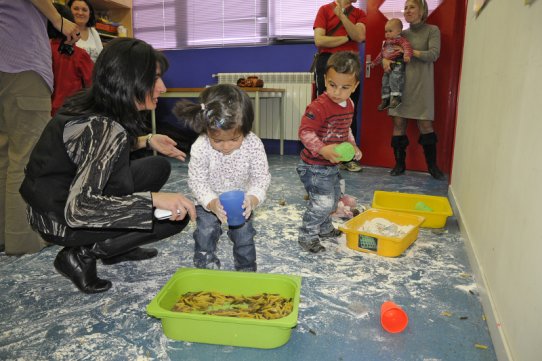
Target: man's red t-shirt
point(326, 19)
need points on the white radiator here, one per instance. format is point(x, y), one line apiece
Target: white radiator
point(298, 95)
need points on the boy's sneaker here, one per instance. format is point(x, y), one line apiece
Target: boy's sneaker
point(395, 101)
point(384, 105)
point(313, 246)
point(334, 233)
point(352, 166)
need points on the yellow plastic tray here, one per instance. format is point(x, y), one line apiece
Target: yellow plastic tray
point(406, 202)
point(383, 245)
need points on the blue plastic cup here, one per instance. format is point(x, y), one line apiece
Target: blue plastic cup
point(232, 202)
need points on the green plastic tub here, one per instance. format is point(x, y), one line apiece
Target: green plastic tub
point(222, 330)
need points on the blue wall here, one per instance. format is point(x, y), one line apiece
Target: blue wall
point(194, 68)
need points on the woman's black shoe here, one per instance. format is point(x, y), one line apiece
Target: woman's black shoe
point(79, 265)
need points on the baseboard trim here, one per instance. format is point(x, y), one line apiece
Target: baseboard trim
point(496, 330)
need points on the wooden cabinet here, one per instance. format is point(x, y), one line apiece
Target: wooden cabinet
point(119, 11)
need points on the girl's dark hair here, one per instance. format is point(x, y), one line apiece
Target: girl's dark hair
point(220, 107)
point(124, 74)
point(66, 14)
point(91, 16)
point(345, 62)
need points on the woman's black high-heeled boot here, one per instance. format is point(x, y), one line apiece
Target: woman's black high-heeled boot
point(399, 144)
point(79, 265)
point(429, 144)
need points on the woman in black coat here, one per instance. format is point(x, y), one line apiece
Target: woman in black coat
point(82, 189)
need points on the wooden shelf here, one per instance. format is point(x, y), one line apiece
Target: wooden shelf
point(119, 11)
point(107, 36)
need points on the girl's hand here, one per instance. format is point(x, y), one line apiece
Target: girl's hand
point(328, 152)
point(216, 207)
point(249, 204)
point(166, 146)
point(357, 154)
point(178, 204)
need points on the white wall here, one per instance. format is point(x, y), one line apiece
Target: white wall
point(497, 171)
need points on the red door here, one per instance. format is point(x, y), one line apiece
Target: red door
point(376, 127)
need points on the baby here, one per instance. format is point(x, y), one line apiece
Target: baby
point(397, 49)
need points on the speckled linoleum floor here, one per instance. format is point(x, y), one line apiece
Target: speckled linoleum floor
point(44, 317)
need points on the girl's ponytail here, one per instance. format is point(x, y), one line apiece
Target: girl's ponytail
point(220, 107)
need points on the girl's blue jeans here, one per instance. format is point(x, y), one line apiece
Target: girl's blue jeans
point(323, 186)
point(207, 234)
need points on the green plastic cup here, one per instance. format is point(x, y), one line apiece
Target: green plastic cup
point(346, 150)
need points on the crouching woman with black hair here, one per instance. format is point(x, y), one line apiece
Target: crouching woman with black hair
point(82, 190)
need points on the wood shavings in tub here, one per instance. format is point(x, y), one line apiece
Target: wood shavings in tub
point(383, 227)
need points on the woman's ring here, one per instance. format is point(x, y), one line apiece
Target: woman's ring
point(77, 34)
point(178, 211)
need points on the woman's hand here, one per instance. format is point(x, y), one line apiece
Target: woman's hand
point(249, 204)
point(328, 152)
point(178, 204)
point(216, 207)
point(166, 146)
point(386, 64)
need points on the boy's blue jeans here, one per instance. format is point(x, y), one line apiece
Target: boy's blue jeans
point(323, 186)
point(207, 234)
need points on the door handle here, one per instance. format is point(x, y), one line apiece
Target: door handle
point(368, 66)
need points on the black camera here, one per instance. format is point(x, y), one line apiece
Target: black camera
point(65, 49)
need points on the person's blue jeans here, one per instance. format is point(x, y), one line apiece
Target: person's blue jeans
point(322, 183)
point(393, 82)
point(207, 234)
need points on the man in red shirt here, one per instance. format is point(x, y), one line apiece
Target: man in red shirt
point(338, 26)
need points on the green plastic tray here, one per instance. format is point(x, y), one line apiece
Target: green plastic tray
point(222, 330)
